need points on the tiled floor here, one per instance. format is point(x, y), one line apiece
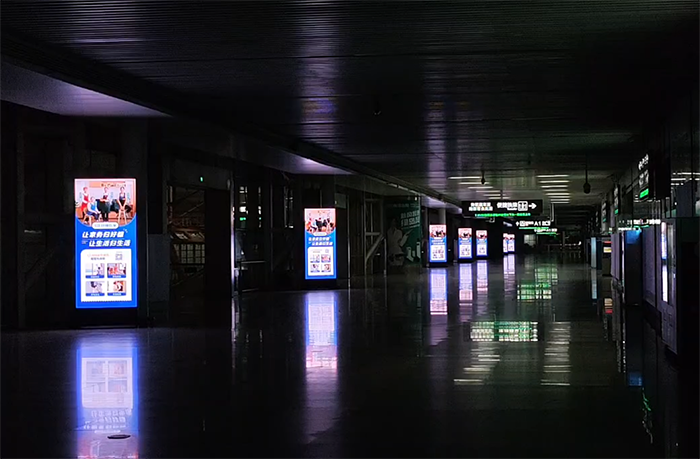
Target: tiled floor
point(519, 358)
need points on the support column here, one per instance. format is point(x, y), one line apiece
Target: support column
point(442, 217)
point(12, 211)
point(133, 163)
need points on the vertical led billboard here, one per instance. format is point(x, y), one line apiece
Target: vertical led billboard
point(106, 263)
point(481, 243)
point(438, 243)
point(510, 243)
point(319, 243)
point(465, 243)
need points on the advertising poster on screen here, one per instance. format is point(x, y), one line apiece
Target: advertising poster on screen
point(465, 243)
point(438, 243)
point(319, 243)
point(403, 236)
point(105, 243)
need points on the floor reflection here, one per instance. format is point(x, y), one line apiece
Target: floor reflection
point(108, 396)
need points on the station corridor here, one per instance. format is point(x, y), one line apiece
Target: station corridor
point(519, 358)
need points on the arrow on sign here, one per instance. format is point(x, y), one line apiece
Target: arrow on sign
point(532, 205)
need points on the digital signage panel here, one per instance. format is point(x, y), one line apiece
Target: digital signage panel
point(510, 243)
point(106, 262)
point(438, 243)
point(502, 208)
point(482, 243)
point(465, 243)
point(319, 243)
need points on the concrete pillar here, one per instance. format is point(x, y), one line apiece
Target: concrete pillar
point(12, 212)
point(442, 217)
point(133, 163)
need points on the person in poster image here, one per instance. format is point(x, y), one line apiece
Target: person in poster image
point(395, 242)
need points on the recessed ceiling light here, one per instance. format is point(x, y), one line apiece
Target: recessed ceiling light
point(553, 176)
point(470, 183)
point(471, 177)
point(554, 186)
point(554, 181)
point(557, 193)
point(485, 187)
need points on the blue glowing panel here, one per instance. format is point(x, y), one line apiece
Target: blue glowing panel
point(510, 239)
point(482, 243)
point(465, 243)
point(106, 262)
point(319, 243)
point(438, 243)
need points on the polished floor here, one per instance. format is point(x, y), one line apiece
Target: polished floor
point(521, 358)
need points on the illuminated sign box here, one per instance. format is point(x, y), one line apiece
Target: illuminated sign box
point(106, 262)
point(502, 208)
point(482, 243)
point(465, 243)
point(438, 243)
point(510, 243)
point(319, 243)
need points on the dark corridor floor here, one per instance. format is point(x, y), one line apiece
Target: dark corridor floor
point(520, 358)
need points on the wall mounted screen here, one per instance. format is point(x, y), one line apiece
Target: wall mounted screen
point(465, 243)
point(438, 243)
point(106, 262)
point(482, 243)
point(319, 243)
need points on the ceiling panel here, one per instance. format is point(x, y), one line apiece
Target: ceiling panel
point(515, 89)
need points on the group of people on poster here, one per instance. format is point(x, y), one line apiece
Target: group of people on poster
point(100, 201)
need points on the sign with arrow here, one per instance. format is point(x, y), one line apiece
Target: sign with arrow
point(502, 208)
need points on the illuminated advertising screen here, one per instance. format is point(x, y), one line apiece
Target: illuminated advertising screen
point(505, 243)
point(438, 243)
point(481, 243)
point(106, 263)
point(319, 243)
point(321, 330)
point(465, 243)
point(107, 400)
point(510, 243)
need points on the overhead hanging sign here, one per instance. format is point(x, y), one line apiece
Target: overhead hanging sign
point(438, 243)
point(530, 224)
point(502, 208)
point(106, 262)
point(465, 243)
point(319, 243)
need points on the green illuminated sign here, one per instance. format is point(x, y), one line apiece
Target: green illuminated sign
point(644, 193)
point(617, 211)
point(504, 215)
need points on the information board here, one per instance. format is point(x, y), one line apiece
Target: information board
point(510, 243)
point(438, 243)
point(319, 243)
point(465, 243)
point(106, 262)
point(502, 208)
point(482, 243)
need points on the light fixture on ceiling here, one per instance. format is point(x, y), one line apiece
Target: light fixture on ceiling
point(554, 186)
point(469, 177)
point(553, 176)
point(586, 185)
point(554, 181)
point(485, 187)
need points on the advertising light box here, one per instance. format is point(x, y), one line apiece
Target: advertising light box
point(106, 262)
point(510, 243)
point(502, 208)
point(465, 243)
point(482, 243)
point(438, 243)
point(319, 243)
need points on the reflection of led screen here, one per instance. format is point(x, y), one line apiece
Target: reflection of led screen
point(107, 400)
point(482, 277)
point(517, 331)
point(438, 292)
point(534, 291)
point(481, 243)
point(465, 283)
point(438, 243)
point(608, 305)
point(465, 243)
point(509, 266)
point(321, 330)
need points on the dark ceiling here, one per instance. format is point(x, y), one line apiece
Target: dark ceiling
point(514, 88)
